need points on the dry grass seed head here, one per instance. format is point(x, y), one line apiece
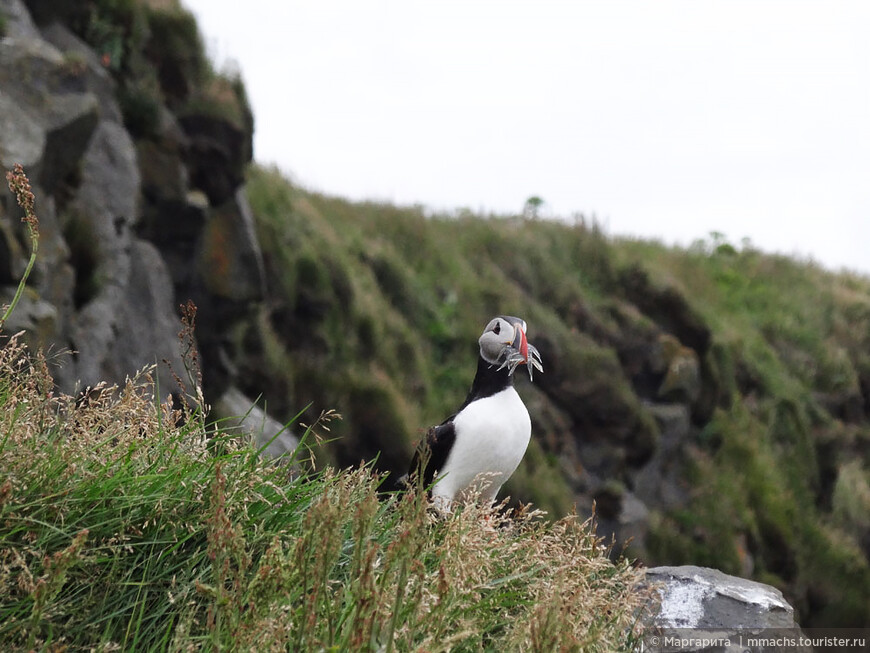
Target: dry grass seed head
point(20, 186)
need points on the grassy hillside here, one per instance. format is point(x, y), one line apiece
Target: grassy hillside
point(122, 527)
point(786, 478)
point(374, 310)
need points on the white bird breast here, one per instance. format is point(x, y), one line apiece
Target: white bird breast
point(492, 435)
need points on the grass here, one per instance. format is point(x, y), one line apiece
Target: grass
point(19, 184)
point(390, 299)
point(124, 527)
point(128, 524)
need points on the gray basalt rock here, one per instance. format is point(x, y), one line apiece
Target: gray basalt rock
point(149, 303)
point(230, 261)
point(701, 609)
point(22, 139)
point(219, 150)
point(103, 208)
point(36, 317)
point(45, 124)
point(660, 482)
point(698, 597)
point(129, 230)
point(85, 72)
point(130, 321)
point(128, 328)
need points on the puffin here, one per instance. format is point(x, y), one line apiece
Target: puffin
point(475, 450)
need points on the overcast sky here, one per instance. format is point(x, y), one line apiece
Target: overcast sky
point(664, 119)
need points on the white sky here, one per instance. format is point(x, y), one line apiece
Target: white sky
point(664, 119)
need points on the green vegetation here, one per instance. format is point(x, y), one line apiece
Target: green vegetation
point(127, 524)
point(123, 527)
point(374, 310)
point(793, 433)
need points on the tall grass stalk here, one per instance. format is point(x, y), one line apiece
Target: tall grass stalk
point(19, 184)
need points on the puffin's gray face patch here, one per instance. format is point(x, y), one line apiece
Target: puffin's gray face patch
point(497, 346)
point(497, 335)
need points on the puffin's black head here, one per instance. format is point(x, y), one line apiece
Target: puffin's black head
point(504, 343)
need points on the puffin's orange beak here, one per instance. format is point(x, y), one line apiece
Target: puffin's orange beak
point(521, 344)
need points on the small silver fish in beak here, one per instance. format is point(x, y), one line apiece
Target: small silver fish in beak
point(520, 352)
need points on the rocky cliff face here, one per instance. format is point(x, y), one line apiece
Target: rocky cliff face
point(136, 215)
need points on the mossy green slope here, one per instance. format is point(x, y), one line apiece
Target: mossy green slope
point(787, 460)
point(374, 310)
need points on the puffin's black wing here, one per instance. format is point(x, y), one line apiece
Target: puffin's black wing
point(432, 452)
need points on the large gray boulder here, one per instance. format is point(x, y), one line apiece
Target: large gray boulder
point(701, 609)
point(87, 73)
point(230, 261)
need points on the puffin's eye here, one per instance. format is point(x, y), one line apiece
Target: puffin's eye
point(496, 328)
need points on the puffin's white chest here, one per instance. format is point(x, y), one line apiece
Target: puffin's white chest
point(492, 435)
